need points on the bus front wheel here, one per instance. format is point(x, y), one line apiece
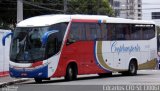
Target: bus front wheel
point(71, 73)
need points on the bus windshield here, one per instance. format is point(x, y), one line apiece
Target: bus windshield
point(27, 45)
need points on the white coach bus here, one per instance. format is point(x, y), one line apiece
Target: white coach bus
point(70, 45)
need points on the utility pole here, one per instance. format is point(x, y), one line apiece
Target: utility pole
point(19, 10)
point(65, 6)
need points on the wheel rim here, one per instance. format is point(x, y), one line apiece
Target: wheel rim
point(132, 68)
point(70, 73)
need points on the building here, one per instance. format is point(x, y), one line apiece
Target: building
point(151, 10)
point(115, 4)
point(130, 9)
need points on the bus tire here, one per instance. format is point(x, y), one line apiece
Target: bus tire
point(38, 80)
point(132, 70)
point(71, 73)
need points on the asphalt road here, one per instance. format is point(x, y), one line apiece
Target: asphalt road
point(145, 80)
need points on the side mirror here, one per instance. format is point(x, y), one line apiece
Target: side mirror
point(4, 38)
point(12, 29)
point(46, 35)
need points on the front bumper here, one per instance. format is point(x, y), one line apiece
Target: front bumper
point(37, 72)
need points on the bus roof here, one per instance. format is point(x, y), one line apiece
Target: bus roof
point(46, 20)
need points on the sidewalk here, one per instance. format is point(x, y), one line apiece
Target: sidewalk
point(9, 81)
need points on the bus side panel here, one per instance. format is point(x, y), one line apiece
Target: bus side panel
point(150, 62)
point(82, 53)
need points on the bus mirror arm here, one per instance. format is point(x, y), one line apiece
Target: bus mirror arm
point(4, 37)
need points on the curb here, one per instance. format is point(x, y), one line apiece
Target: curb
point(13, 82)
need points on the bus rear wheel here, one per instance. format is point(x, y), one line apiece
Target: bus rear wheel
point(132, 70)
point(71, 73)
point(38, 80)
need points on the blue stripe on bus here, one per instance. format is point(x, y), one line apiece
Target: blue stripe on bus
point(99, 65)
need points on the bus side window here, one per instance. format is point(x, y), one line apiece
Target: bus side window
point(128, 32)
point(93, 31)
point(89, 34)
point(111, 31)
point(99, 32)
point(149, 32)
point(136, 32)
point(105, 35)
point(76, 33)
point(120, 33)
point(72, 34)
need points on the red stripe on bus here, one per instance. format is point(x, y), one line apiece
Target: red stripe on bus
point(37, 64)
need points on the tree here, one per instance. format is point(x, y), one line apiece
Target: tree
point(95, 7)
point(8, 8)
